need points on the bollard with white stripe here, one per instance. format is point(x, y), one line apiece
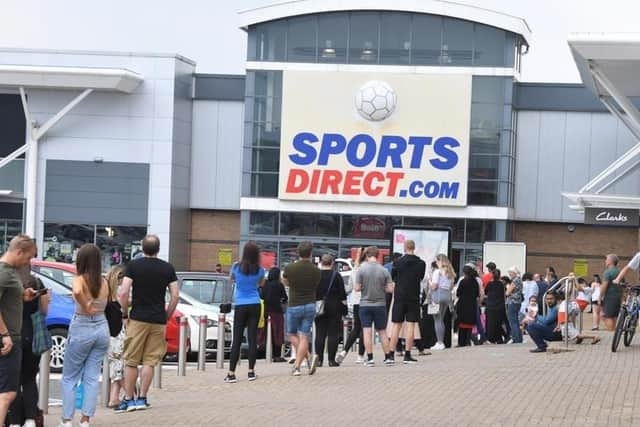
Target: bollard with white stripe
point(220, 344)
point(43, 386)
point(106, 381)
point(182, 349)
point(202, 343)
point(157, 375)
point(345, 332)
point(268, 352)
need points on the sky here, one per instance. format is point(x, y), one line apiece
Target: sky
point(207, 31)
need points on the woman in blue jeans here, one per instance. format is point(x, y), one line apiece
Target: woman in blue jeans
point(514, 296)
point(88, 338)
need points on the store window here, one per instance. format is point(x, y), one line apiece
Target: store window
point(8, 230)
point(265, 160)
point(395, 46)
point(368, 226)
point(301, 39)
point(62, 241)
point(486, 50)
point(268, 254)
point(332, 38)
point(263, 223)
point(363, 38)
point(266, 41)
point(119, 245)
point(457, 42)
point(299, 224)
point(426, 39)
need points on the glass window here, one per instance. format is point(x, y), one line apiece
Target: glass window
point(264, 134)
point(363, 38)
point(332, 37)
point(202, 290)
point(268, 253)
point(473, 256)
point(486, 117)
point(426, 39)
point(457, 42)
point(269, 41)
point(61, 241)
point(486, 89)
point(295, 224)
point(483, 193)
point(456, 225)
point(480, 230)
point(301, 39)
point(320, 249)
point(288, 253)
point(119, 245)
point(368, 226)
point(489, 46)
point(263, 223)
point(485, 141)
point(264, 184)
point(265, 109)
point(264, 83)
point(265, 160)
point(395, 32)
point(484, 167)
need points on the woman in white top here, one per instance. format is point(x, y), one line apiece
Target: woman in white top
point(441, 284)
point(595, 295)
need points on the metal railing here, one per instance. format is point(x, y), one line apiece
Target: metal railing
point(568, 283)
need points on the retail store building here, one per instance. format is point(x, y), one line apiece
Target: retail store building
point(347, 122)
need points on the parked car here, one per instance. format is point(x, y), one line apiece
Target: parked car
point(59, 271)
point(172, 334)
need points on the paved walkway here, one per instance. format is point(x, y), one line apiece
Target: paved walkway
point(484, 385)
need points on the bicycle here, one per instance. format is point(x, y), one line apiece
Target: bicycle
point(627, 318)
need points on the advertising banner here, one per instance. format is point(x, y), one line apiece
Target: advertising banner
point(612, 217)
point(429, 241)
point(375, 137)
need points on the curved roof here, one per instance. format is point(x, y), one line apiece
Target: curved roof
point(287, 8)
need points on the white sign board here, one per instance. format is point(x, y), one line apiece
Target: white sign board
point(505, 255)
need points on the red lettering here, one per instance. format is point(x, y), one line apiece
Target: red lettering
point(331, 180)
point(298, 181)
point(315, 180)
point(368, 183)
point(352, 183)
point(393, 178)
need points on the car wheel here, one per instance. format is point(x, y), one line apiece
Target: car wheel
point(59, 341)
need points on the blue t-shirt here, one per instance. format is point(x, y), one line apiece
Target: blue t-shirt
point(246, 289)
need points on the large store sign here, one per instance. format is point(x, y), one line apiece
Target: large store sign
point(375, 137)
point(612, 217)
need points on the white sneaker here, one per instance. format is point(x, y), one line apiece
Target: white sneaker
point(510, 341)
point(29, 423)
point(340, 357)
point(359, 360)
point(84, 424)
point(65, 424)
point(438, 346)
point(15, 425)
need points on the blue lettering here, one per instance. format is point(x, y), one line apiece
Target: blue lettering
point(449, 190)
point(431, 189)
point(415, 189)
point(418, 142)
point(392, 147)
point(369, 150)
point(302, 143)
point(442, 147)
point(332, 143)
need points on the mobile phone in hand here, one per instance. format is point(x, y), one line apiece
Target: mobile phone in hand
point(41, 292)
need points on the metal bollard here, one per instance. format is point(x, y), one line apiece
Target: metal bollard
point(345, 333)
point(268, 352)
point(182, 349)
point(106, 381)
point(202, 341)
point(313, 339)
point(157, 375)
point(220, 344)
point(43, 386)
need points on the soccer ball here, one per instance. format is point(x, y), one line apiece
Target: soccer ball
point(375, 101)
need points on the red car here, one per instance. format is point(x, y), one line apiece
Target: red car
point(58, 271)
point(173, 334)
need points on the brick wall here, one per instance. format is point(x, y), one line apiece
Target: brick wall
point(553, 244)
point(210, 232)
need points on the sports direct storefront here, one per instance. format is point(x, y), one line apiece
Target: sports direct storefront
point(360, 121)
point(375, 138)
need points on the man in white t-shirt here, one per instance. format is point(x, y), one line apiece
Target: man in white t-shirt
point(634, 264)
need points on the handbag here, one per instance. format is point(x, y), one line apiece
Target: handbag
point(41, 336)
point(321, 305)
point(433, 308)
point(113, 313)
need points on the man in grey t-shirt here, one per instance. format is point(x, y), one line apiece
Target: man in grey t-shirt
point(374, 281)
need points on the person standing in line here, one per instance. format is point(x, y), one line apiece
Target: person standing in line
point(148, 279)
point(88, 339)
point(595, 296)
point(12, 296)
point(610, 292)
point(495, 309)
point(329, 324)
point(274, 296)
point(356, 330)
point(441, 284)
point(248, 276)
point(373, 280)
point(543, 287)
point(529, 289)
point(116, 344)
point(410, 270)
point(488, 276)
point(302, 277)
point(24, 409)
point(468, 293)
point(427, 327)
point(514, 302)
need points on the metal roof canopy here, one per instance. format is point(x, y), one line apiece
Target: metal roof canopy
point(609, 65)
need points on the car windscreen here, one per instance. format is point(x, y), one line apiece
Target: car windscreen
point(55, 286)
point(207, 291)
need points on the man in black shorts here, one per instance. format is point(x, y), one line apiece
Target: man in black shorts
point(409, 272)
point(12, 294)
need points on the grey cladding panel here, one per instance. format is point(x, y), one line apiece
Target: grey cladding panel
point(96, 193)
point(220, 87)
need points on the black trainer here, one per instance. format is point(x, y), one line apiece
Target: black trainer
point(408, 360)
point(230, 379)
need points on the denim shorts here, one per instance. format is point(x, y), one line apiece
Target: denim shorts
point(300, 318)
point(373, 315)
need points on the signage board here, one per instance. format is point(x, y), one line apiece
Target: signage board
point(612, 217)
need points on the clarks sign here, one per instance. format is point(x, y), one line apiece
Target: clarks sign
point(613, 217)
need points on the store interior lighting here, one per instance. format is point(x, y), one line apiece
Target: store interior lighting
point(328, 51)
point(368, 54)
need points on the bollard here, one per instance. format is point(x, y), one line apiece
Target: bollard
point(345, 333)
point(106, 381)
point(43, 387)
point(220, 344)
point(313, 339)
point(182, 349)
point(157, 375)
point(202, 342)
point(268, 351)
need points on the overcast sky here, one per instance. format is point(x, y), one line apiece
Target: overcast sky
point(207, 30)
